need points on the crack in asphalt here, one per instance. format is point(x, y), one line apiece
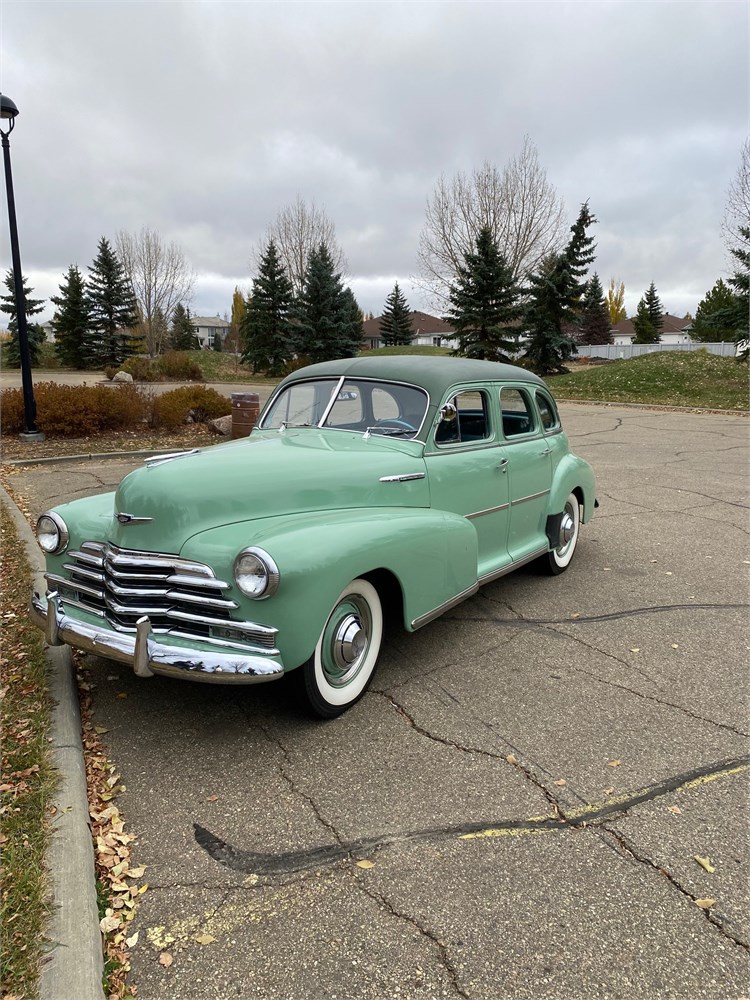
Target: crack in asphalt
point(605, 430)
point(602, 680)
point(522, 622)
point(627, 848)
point(480, 752)
point(387, 905)
point(271, 864)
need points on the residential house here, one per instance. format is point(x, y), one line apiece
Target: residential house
point(676, 330)
point(207, 328)
point(426, 331)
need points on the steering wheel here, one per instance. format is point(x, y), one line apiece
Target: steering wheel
point(395, 422)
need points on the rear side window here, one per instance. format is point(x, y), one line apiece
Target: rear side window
point(517, 412)
point(547, 411)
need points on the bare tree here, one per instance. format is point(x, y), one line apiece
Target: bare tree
point(297, 230)
point(737, 212)
point(160, 277)
point(521, 207)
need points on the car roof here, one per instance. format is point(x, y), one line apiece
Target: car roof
point(434, 373)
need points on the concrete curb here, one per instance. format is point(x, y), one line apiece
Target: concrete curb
point(73, 966)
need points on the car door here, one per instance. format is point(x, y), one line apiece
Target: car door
point(529, 472)
point(467, 471)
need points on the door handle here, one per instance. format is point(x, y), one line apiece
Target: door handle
point(547, 451)
point(502, 465)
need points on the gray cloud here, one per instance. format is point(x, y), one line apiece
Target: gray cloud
point(203, 119)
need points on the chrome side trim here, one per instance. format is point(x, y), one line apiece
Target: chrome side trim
point(405, 478)
point(489, 510)
point(532, 496)
point(147, 656)
point(496, 574)
point(442, 608)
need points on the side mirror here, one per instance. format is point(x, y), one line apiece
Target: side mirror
point(448, 412)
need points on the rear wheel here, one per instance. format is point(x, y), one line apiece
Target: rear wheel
point(341, 668)
point(558, 559)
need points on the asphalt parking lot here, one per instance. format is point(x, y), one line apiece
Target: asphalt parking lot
point(515, 808)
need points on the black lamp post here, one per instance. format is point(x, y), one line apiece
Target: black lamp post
point(8, 112)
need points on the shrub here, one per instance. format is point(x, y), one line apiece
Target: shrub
point(172, 409)
point(110, 372)
point(142, 369)
point(75, 411)
point(179, 365)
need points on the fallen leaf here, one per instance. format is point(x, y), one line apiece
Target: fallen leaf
point(364, 864)
point(607, 569)
point(608, 791)
point(705, 904)
point(212, 798)
point(704, 863)
point(614, 763)
point(122, 694)
point(100, 729)
point(136, 872)
point(511, 758)
point(109, 923)
point(205, 939)
point(131, 942)
point(165, 959)
point(668, 574)
point(635, 649)
point(675, 645)
point(675, 809)
point(560, 781)
point(576, 614)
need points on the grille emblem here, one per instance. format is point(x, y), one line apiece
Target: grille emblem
point(132, 519)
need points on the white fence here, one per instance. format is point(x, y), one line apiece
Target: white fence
point(617, 352)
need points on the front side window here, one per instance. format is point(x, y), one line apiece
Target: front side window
point(465, 419)
point(359, 405)
point(517, 413)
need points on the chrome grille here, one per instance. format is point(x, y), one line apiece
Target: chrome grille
point(179, 596)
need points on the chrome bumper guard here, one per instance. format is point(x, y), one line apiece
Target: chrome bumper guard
point(145, 654)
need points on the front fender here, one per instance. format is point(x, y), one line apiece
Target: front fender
point(573, 474)
point(432, 554)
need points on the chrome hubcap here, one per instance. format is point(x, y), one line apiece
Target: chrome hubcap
point(349, 641)
point(567, 529)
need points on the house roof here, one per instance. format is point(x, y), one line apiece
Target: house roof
point(421, 324)
point(209, 321)
point(672, 324)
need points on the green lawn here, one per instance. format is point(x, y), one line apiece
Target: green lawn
point(669, 378)
point(381, 352)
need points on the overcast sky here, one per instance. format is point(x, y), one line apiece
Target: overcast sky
point(203, 119)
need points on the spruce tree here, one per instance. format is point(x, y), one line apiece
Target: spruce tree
point(655, 311)
point(395, 323)
point(182, 333)
point(735, 315)
point(354, 320)
point(595, 319)
point(554, 298)
point(34, 332)
point(484, 303)
point(645, 331)
point(71, 320)
point(323, 312)
point(713, 309)
point(266, 329)
point(112, 308)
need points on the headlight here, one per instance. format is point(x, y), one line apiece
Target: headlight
point(256, 573)
point(51, 533)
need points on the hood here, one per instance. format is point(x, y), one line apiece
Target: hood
point(266, 475)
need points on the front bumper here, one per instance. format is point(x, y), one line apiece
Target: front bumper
point(146, 655)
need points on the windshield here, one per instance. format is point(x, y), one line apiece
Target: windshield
point(350, 405)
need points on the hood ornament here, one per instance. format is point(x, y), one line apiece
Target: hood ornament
point(132, 519)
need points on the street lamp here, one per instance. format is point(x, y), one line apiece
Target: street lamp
point(8, 112)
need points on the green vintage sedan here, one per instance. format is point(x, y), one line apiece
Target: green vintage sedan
point(386, 482)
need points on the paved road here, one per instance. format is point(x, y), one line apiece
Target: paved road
point(592, 727)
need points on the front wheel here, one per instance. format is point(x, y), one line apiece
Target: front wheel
point(558, 559)
point(341, 668)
